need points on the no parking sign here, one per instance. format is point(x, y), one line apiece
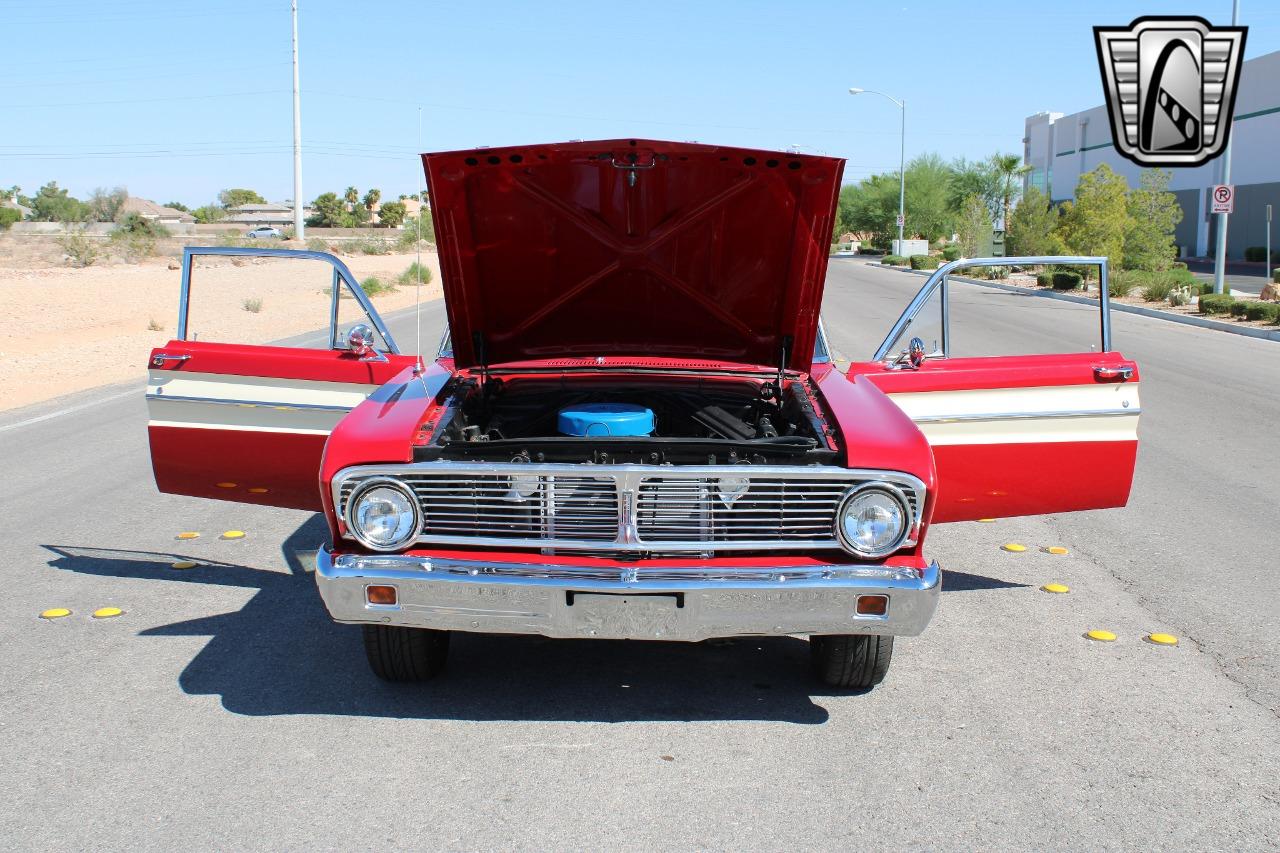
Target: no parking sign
point(1224, 198)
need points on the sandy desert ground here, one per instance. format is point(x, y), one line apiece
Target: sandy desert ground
point(72, 329)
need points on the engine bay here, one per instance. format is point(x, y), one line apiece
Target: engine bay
point(638, 419)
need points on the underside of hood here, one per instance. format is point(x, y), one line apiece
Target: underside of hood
point(632, 247)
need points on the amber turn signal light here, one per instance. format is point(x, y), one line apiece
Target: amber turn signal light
point(873, 605)
point(380, 594)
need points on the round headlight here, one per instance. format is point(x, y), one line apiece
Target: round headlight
point(873, 521)
point(383, 515)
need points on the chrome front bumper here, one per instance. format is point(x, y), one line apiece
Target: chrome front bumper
point(689, 603)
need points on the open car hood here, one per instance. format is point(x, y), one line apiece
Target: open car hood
point(632, 247)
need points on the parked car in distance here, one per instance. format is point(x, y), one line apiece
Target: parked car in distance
point(634, 428)
point(262, 232)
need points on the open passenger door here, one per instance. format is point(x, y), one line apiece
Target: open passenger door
point(248, 422)
point(1015, 435)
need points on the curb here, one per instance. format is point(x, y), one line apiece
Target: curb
point(1201, 322)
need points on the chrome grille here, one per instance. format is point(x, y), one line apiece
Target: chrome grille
point(627, 509)
point(771, 509)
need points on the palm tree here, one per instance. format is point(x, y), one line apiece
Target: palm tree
point(371, 199)
point(1007, 169)
point(352, 195)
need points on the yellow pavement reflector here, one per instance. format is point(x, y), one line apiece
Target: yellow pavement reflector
point(225, 485)
point(233, 534)
point(1056, 549)
point(986, 520)
point(106, 612)
point(1163, 639)
point(55, 613)
point(1056, 587)
point(188, 534)
point(1100, 635)
point(258, 490)
point(1014, 547)
point(184, 564)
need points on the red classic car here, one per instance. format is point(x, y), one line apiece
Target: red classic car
point(636, 430)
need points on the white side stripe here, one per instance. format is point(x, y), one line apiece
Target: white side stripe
point(220, 401)
point(1025, 415)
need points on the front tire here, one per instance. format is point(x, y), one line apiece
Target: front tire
point(857, 661)
point(405, 654)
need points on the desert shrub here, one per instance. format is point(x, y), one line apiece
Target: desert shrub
point(1269, 311)
point(368, 246)
point(993, 273)
point(1275, 276)
point(134, 238)
point(1178, 265)
point(1181, 296)
point(317, 244)
point(951, 252)
point(1045, 279)
point(414, 273)
point(1255, 253)
point(1121, 283)
point(924, 262)
point(374, 286)
point(869, 249)
point(1158, 286)
point(153, 325)
point(1067, 280)
point(8, 216)
point(81, 251)
point(1237, 308)
point(1216, 303)
point(253, 306)
point(895, 260)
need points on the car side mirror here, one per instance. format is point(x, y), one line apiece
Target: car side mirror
point(360, 342)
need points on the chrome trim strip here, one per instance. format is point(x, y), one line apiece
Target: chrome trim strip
point(627, 480)
point(249, 404)
point(1026, 416)
point(690, 603)
point(939, 277)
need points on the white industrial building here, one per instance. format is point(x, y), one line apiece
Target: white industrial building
point(1059, 148)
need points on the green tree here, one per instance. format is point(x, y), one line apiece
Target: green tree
point(392, 214)
point(1032, 228)
point(236, 197)
point(871, 206)
point(973, 226)
point(209, 213)
point(104, 204)
point(1153, 215)
point(1006, 171)
point(371, 199)
point(328, 212)
point(53, 204)
point(177, 205)
point(1096, 223)
point(8, 216)
point(970, 179)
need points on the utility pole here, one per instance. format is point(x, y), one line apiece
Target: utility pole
point(297, 135)
point(1220, 262)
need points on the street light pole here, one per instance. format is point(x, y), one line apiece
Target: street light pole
point(1220, 261)
point(902, 158)
point(297, 135)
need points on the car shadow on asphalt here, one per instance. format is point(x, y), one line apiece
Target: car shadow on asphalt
point(281, 654)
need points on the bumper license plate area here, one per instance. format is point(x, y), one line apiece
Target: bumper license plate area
point(621, 617)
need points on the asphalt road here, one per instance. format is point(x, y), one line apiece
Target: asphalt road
point(223, 709)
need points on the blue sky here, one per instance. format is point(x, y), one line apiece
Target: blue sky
point(179, 100)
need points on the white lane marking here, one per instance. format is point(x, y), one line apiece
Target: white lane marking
point(69, 411)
